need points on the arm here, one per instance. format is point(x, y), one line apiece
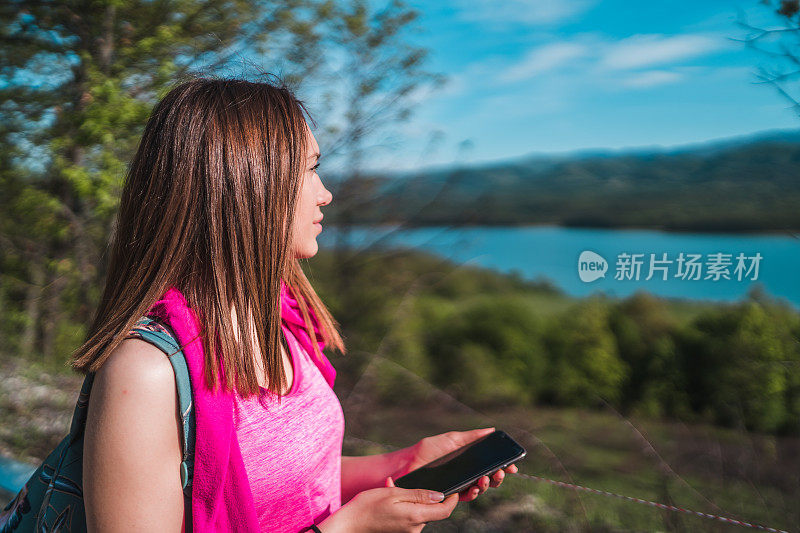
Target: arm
point(132, 449)
point(370, 471)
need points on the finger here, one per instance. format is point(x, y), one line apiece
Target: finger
point(468, 494)
point(475, 487)
point(465, 437)
point(450, 503)
point(497, 478)
point(479, 487)
point(475, 434)
point(420, 496)
point(512, 469)
point(431, 513)
point(389, 482)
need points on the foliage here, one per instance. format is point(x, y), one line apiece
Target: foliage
point(584, 360)
point(740, 362)
point(77, 83)
point(487, 343)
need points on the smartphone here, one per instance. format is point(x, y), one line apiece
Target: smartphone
point(461, 468)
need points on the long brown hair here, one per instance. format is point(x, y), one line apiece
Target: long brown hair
point(207, 206)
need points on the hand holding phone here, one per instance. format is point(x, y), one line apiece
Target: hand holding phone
point(461, 468)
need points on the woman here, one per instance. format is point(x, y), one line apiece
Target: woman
point(220, 202)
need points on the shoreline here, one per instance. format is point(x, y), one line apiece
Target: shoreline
point(793, 233)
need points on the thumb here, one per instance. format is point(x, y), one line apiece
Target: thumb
point(423, 496)
point(389, 482)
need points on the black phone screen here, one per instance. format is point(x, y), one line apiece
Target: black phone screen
point(460, 468)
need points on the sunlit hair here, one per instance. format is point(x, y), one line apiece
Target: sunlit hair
point(207, 206)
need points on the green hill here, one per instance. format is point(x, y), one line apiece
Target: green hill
point(741, 185)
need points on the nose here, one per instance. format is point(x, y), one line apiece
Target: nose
point(325, 197)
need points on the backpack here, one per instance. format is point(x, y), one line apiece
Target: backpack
point(52, 498)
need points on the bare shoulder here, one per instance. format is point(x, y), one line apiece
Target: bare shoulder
point(136, 379)
point(139, 364)
point(132, 448)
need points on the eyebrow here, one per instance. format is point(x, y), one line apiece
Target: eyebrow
point(317, 155)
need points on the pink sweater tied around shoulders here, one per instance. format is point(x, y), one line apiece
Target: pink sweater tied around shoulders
point(221, 496)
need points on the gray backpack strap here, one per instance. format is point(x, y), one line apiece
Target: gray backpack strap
point(153, 332)
point(52, 498)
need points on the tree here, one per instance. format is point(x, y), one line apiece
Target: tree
point(585, 366)
point(780, 45)
point(78, 81)
point(740, 365)
point(488, 349)
point(645, 329)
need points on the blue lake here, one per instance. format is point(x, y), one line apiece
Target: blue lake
point(552, 253)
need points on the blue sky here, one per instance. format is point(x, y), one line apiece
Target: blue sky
point(537, 76)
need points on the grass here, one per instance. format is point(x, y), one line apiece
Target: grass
point(599, 450)
point(753, 477)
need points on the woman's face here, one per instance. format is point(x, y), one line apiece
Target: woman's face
point(313, 195)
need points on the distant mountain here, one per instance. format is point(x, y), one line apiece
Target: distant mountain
point(708, 147)
point(739, 184)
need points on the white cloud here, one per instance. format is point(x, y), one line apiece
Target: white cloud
point(595, 56)
point(651, 78)
point(531, 12)
point(542, 59)
point(645, 50)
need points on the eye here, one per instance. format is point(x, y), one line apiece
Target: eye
point(315, 167)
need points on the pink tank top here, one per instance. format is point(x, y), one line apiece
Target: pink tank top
point(292, 452)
